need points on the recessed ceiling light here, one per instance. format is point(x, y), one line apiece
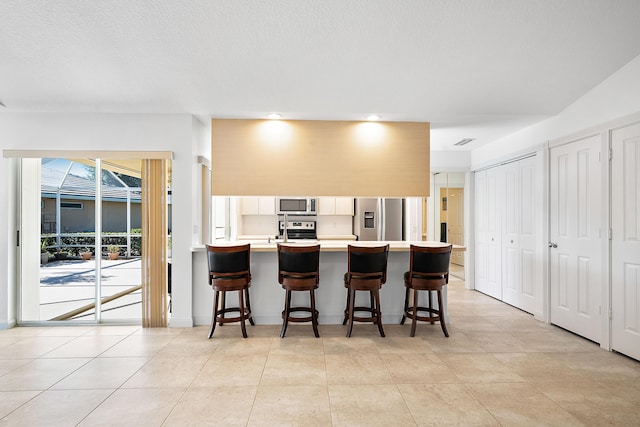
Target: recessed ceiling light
point(464, 141)
point(374, 117)
point(274, 116)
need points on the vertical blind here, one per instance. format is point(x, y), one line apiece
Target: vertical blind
point(154, 243)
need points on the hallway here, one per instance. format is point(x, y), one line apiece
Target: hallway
point(499, 367)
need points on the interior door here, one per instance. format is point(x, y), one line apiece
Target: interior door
point(625, 245)
point(575, 237)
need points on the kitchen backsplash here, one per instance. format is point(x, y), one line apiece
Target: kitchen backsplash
point(335, 224)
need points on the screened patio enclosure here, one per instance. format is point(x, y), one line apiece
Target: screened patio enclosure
point(68, 193)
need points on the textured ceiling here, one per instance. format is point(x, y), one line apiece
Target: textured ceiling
point(472, 68)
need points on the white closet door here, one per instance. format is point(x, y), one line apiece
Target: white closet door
point(495, 200)
point(530, 290)
point(510, 255)
point(625, 247)
point(575, 237)
point(480, 225)
point(519, 270)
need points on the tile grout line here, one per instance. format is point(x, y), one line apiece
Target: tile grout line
point(255, 396)
point(186, 389)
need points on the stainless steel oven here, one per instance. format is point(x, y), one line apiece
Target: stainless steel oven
point(298, 230)
point(297, 205)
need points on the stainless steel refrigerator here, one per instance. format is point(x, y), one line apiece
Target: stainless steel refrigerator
point(379, 219)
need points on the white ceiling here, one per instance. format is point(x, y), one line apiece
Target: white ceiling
point(472, 68)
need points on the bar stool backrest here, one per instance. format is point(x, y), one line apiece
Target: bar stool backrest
point(432, 262)
point(228, 262)
point(368, 262)
point(302, 261)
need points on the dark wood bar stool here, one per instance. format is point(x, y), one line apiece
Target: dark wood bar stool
point(428, 271)
point(299, 270)
point(366, 271)
point(229, 270)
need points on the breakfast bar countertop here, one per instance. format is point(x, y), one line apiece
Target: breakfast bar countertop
point(259, 237)
point(263, 245)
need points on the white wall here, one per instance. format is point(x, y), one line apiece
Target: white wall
point(201, 146)
point(87, 131)
point(450, 161)
point(615, 97)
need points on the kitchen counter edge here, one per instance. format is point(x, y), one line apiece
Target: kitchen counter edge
point(331, 245)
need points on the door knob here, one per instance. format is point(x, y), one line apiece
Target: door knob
point(553, 245)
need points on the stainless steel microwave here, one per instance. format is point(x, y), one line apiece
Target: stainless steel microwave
point(297, 205)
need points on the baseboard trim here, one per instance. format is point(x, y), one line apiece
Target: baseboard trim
point(186, 322)
point(8, 325)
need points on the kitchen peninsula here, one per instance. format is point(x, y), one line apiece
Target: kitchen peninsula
point(267, 297)
point(316, 170)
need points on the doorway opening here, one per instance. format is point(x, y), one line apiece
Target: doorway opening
point(445, 207)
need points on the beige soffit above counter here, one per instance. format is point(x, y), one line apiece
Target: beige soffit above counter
point(319, 158)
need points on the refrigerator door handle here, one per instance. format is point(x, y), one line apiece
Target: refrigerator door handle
point(381, 220)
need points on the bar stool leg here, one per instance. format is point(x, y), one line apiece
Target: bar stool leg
point(242, 313)
point(415, 313)
point(223, 298)
point(314, 314)
point(214, 315)
point(430, 306)
point(286, 313)
point(346, 309)
point(406, 305)
point(441, 313)
point(248, 301)
point(378, 314)
point(352, 298)
point(371, 302)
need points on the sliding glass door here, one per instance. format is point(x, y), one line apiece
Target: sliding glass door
point(83, 218)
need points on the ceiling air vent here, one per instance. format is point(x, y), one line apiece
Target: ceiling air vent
point(464, 141)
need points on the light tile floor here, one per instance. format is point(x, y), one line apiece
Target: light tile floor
point(499, 367)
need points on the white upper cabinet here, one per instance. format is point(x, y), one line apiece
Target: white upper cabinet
point(344, 205)
point(335, 205)
point(326, 205)
point(253, 205)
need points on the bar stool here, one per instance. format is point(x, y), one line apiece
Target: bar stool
point(299, 270)
point(229, 270)
point(366, 271)
point(428, 271)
